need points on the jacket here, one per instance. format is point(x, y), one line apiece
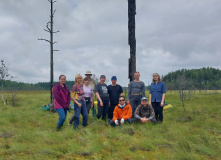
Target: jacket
point(61, 96)
point(142, 111)
point(124, 113)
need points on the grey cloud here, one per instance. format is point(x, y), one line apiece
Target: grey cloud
point(93, 35)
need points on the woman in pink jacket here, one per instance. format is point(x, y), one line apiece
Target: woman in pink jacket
point(61, 100)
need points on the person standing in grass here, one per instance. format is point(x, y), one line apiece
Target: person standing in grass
point(61, 100)
point(122, 113)
point(136, 91)
point(144, 112)
point(88, 93)
point(79, 102)
point(101, 92)
point(157, 96)
point(92, 83)
point(114, 91)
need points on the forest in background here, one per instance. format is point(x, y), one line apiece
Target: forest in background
point(196, 79)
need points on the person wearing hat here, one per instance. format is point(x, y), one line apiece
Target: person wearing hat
point(136, 90)
point(114, 91)
point(122, 113)
point(144, 112)
point(92, 82)
point(101, 92)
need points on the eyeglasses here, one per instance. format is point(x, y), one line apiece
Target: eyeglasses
point(121, 100)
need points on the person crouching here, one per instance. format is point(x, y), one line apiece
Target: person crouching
point(122, 113)
point(144, 112)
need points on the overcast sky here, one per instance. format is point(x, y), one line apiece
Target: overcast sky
point(170, 35)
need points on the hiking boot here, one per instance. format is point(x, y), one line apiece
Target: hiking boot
point(58, 127)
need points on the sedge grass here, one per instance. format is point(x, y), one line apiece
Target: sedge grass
point(27, 132)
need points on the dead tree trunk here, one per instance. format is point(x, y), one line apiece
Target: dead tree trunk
point(132, 38)
point(51, 41)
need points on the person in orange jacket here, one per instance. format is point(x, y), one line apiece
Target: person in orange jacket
point(122, 113)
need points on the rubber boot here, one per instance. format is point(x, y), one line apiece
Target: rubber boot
point(58, 127)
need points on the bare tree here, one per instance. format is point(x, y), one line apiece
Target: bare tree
point(50, 30)
point(182, 82)
point(4, 75)
point(185, 89)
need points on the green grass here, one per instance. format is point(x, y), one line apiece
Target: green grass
point(27, 132)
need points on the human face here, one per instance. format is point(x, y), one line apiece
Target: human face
point(102, 80)
point(86, 83)
point(136, 76)
point(114, 82)
point(155, 77)
point(62, 80)
point(79, 81)
point(121, 101)
point(144, 102)
point(88, 75)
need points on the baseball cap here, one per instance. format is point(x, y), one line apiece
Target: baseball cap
point(143, 98)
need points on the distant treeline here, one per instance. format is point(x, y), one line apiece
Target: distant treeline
point(200, 79)
point(12, 85)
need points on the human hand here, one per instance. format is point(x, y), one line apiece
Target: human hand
point(161, 104)
point(79, 104)
point(116, 122)
point(101, 104)
point(142, 119)
point(122, 121)
point(147, 120)
point(91, 105)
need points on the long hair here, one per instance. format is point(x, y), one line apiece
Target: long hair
point(156, 74)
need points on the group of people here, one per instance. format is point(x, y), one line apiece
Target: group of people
point(110, 100)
